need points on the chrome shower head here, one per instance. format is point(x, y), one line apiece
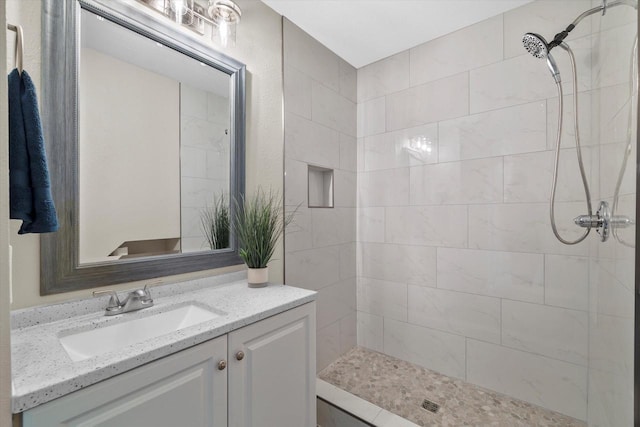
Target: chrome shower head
point(536, 45)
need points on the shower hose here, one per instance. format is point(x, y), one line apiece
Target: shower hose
point(578, 151)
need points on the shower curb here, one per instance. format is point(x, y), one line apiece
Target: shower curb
point(359, 407)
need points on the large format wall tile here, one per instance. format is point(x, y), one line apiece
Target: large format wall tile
point(386, 76)
point(427, 225)
point(512, 275)
point(448, 99)
point(348, 153)
point(303, 52)
point(612, 45)
point(371, 117)
point(528, 177)
point(550, 383)
point(524, 228)
point(459, 313)
point(470, 181)
point(463, 50)
point(555, 332)
point(610, 402)
point(405, 147)
point(348, 331)
point(437, 350)
point(348, 260)
point(513, 130)
point(586, 125)
point(370, 224)
point(399, 263)
point(344, 189)
point(297, 235)
point(333, 226)
point(611, 106)
point(348, 81)
point(611, 344)
point(327, 345)
point(311, 142)
point(320, 129)
point(370, 331)
point(332, 110)
point(313, 268)
point(384, 188)
point(335, 302)
point(296, 182)
point(608, 295)
point(383, 298)
point(297, 92)
point(566, 281)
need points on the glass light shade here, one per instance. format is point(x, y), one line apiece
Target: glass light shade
point(226, 15)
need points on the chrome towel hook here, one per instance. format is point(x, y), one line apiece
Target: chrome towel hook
point(19, 45)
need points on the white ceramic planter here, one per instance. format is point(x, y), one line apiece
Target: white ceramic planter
point(258, 277)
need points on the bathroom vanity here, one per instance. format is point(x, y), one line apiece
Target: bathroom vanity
point(249, 362)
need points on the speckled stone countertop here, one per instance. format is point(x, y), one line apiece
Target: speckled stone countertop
point(42, 370)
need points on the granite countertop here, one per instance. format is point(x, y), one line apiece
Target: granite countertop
point(42, 370)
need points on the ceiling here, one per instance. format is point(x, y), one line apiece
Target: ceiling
point(365, 31)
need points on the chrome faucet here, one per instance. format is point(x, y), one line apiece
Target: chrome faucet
point(135, 300)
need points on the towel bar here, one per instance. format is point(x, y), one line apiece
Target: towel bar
point(19, 45)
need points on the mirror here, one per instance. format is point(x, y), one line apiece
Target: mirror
point(148, 151)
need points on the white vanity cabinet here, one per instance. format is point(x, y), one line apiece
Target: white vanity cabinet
point(272, 371)
point(261, 375)
point(184, 389)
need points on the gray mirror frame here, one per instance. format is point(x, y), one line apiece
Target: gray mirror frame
point(60, 270)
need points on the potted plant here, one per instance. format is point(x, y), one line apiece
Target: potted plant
point(258, 223)
point(216, 223)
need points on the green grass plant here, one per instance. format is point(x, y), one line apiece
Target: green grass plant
point(259, 222)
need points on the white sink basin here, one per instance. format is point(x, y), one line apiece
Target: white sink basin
point(90, 343)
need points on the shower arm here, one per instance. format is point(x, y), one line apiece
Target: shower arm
point(606, 5)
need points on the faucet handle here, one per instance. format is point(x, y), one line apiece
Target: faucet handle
point(114, 301)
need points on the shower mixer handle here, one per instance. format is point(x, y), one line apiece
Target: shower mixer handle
point(603, 221)
point(588, 221)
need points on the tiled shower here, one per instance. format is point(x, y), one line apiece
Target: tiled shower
point(439, 250)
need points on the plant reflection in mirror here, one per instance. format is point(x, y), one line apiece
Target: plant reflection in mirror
point(216, 223)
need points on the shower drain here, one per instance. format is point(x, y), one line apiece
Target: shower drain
point(430, 406)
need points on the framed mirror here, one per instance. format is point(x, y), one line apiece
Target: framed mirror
point(144, 126)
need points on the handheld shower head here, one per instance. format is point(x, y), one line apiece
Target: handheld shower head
point(537, 46)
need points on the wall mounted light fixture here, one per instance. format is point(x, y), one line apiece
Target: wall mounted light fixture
point(213, 18)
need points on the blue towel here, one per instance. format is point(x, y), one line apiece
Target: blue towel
point(29, 186)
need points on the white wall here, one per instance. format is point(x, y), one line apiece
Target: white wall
point(130, 173)
point(259, 46)
point(5, 266)
point(458, 270)
point(320, 129)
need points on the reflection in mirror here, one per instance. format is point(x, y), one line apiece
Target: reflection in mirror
point(154, 147)
point(146, 124)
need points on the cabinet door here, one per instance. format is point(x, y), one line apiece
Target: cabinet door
point(272, 383)
point(184, 389)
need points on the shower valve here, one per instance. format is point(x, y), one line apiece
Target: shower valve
point(602, 221)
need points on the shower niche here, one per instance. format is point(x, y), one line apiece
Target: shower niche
point(320, 187)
